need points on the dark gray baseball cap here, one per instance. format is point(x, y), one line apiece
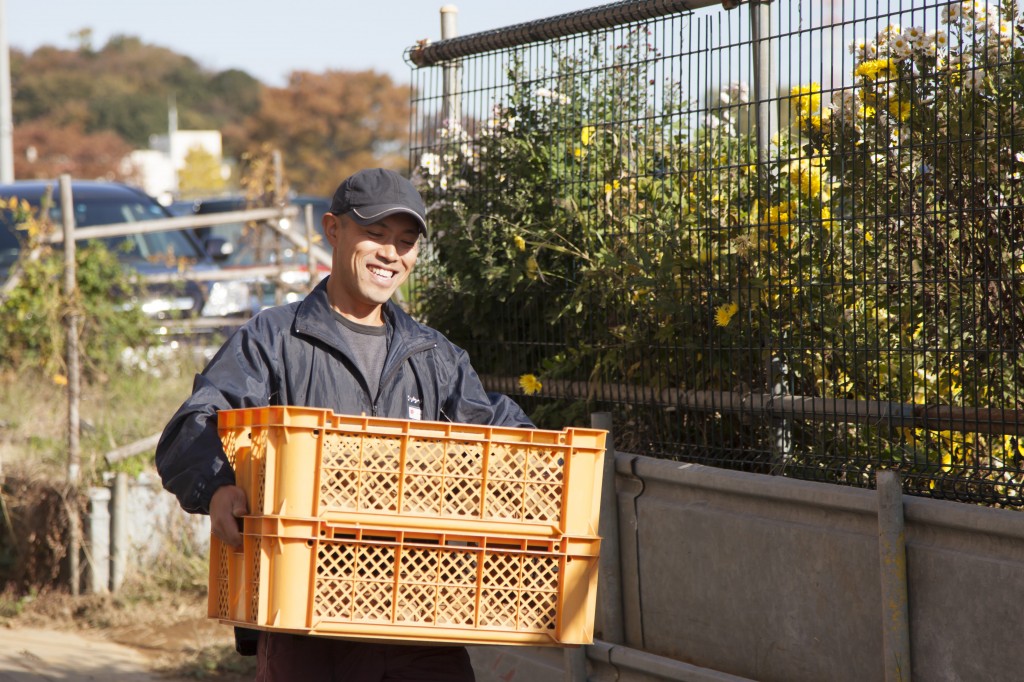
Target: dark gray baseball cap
point(375, 193)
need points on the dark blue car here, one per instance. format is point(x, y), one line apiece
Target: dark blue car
point(152, 253)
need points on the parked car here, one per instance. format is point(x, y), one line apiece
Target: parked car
point(254, 247)
point(258, 247)
point(152, 253)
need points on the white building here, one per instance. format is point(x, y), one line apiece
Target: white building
point(156, 169)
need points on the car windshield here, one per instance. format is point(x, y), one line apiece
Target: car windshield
point(256, 244)
point(137, 249)
point(164, 249)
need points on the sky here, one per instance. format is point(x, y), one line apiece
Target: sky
point(269, 38)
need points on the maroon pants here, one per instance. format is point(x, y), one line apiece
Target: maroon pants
point(286, 657)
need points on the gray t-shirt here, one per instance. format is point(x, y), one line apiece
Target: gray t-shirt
point(369, 344)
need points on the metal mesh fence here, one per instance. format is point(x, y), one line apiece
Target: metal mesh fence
point(784, 238)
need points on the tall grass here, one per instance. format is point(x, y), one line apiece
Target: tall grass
point(117, 408)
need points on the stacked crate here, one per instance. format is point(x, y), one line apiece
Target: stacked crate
point(410, 531)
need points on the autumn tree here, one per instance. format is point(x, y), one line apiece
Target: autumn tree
point(201, 175)
point(43, 149)
point(330, 125)
point(126, 87)
point(78, 109)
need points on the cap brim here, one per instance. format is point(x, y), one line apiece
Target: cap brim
point(368, 215)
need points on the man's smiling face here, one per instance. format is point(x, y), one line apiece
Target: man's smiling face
point(369, 262)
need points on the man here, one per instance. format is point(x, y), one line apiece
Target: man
point(348, 348)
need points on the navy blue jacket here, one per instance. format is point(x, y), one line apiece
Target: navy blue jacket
point(295, 355)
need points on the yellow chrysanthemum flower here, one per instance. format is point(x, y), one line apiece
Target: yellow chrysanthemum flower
point(871, 68)
point(530, 384)
point(724, 314)
point(520, 242)
point(532, 268)
point(826, 218)
point(587, 134)
point(611, 186)
point(777, 218)
point(808, 97)
point(810, 123)
point(900, 110)
point(807, 176)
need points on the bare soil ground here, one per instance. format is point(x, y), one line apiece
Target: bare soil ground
point(175, 639)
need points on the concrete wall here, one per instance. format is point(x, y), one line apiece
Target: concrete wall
point(734, 576)
point(131, 521)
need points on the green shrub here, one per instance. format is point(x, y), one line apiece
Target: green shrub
point(33, 313)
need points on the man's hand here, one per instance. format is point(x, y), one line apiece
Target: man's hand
point(227, 507)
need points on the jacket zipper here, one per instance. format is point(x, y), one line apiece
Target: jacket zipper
point(385, 379)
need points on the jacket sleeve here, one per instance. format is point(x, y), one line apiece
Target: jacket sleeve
point(189, 457)
point(469, 403)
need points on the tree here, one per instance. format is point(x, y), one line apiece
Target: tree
point(45, 149)
point(201, 175)
point(125, 87)
point(332, 124)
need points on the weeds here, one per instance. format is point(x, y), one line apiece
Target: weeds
point(116, 409)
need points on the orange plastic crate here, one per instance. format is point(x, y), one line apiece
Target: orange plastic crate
point(315, 577)
point(312, 463)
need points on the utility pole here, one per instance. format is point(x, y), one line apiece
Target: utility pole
point(6, 118)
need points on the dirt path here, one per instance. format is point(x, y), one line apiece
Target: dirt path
point(30, 655)
point(180, 647)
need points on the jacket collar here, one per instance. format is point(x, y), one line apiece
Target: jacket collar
point(315, 317)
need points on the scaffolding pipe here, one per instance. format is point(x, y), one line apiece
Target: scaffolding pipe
point(560, 26)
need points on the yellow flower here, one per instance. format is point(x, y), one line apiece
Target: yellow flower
point(1013, 445)
point(812, 123)
point(60, 380)
point(610, 186)
point(808, 98)
point(587, 134)
point(777, 218)
point(826, 217)
point(871, 68)
point(577, 152)
point(900, 110)
point(724, 314)
point(520, 243)
point(807, 176)
point(530, 384)
point(532, 268)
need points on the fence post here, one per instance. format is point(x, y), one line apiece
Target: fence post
point(74, 375)
point(892, 552)
point(765, 77)
point(310, 261)
point(278, 198)
point(782, 443)
point(119, 532)
point(99, 540)
point(452, 94)
point(609, 583)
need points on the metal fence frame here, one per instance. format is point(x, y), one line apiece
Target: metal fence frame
point(777, 407)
